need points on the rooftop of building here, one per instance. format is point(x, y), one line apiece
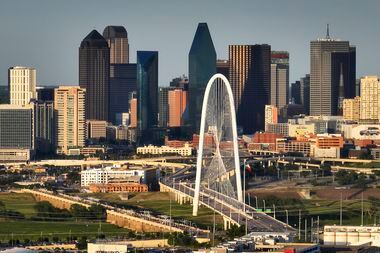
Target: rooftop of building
point(94, 40)
point(114, 31)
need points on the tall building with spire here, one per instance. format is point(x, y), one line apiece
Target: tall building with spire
point(94, 73)
point(202, 66)
point(117, 38)
point(332, 76)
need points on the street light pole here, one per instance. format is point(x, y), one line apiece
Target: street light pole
point(256, 202)
point(264, 204)
point(287, 217)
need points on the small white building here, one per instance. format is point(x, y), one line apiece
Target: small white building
point(352, 235)
point(186, 150)
point(109, 174)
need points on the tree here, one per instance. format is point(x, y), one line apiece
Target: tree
point(235, 231)
point(73, 177)
point(97, 212)
point(79, 211)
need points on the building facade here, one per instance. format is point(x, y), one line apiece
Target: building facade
point(117, 39)
point(271, 115)
point(44, 125)
point(370, 98)
point(332, 75)
point(177, 102)
point(69, 104)
point(250, 83)
point(351, 109)
point(94, 74)
point(21, 85)
point(223, 67)
point(305, 93)
point(202, 66)
point(163, 105)
point(279, 90)
point(96, 129)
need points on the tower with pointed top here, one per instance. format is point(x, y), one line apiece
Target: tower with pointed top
point(202, 66)
point(332, 74)
point(94, 72)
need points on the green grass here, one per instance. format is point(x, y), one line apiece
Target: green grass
point(20, 202)
point(32, 230)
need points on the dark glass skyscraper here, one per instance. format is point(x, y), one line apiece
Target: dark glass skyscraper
point(147, 90)
point(94, 73)
point(122, 83)
point(117, 38)
point(202, 66)
point(250, 82)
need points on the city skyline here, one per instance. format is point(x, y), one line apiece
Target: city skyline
point(241, 28)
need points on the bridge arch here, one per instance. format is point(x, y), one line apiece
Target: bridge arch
point(219, 89)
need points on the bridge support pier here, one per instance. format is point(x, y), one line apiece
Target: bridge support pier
point(227, 223)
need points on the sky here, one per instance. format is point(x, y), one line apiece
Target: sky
point(46, 34)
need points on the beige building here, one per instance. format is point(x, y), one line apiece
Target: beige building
point(96, 129)
point(279, 85)
point(186, 150)
point(133, 113)
point(351, 109)
point(22, 85)
point(369, 98)
point(271, 115)
point(70, 106)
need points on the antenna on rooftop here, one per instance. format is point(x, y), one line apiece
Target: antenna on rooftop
point(328, 32)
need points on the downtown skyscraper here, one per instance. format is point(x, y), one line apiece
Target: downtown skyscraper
point(94, 73)
point(250, 83)
point(117, 39)
point(147, 92)
point(279, 91)
point(332, 75)
point(202, 66)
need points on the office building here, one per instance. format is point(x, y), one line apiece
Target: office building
point(279, 90)
point(117, 39)
point(21, 85)
point(223, 67)
point(133, 112)
point(163, 105)
point(202, 66)
point(94, 73)
point(370, 98)
point(332, 76)
point(181, 82)
point(44, 125)
point(17, 139)
point(123, 119)
point(45, 93)
point(271, 115)
point(351, 108)
point(177, 102)
point(122, 84)
point(305, 93)
point(96, 129)
point(295, 92)
point(186, 150)
point(250, 83)
point(147, 90)
point(69, 104)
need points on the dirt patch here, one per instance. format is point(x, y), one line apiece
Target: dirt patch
point(334, 194)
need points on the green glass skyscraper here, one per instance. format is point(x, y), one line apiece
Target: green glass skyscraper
point(147, 91)
point(202, 65)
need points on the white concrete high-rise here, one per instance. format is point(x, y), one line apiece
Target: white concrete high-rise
point(22, 85)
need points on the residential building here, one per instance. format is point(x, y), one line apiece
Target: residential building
point(279, 87)
point(332, 76)
point(94, 74)
point(202, 66)
point(21, 85)
point(177, 102)
point(17, 132)
point(370, 98)
point(147, 92)
point(117, 39)
point(250, 83)
point(351, 109)
point(123, 82)
point(69, 104)
point(96, 129)
point(271, 115)
point(186, 150)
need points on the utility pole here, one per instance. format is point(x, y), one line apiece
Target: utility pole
point(362, 210)
point(299, 224)
point(264, 204)
point(274, 211)
point(287, 217)
point(317, 229)
point(245, 160)
point(256, 202)
point(341, 207)
point(312, 230)
point(305, 229)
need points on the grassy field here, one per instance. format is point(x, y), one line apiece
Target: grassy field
point(20, 202)
point(32, 230)
point(160, 202)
